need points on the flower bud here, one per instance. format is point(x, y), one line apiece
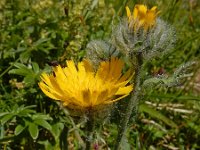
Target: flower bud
point(143, 33)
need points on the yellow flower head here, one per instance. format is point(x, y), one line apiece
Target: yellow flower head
point(81, 87)
point(142, 17)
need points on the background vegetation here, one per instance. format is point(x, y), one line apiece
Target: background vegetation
point(34, 34)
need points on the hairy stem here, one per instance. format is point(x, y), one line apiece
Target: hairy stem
point(132, 104)
point(77, 135)
point(89, 127)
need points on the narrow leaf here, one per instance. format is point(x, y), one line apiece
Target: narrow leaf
point(6, 118)
point(36, 68)
point(43, 123)
point(153, 113)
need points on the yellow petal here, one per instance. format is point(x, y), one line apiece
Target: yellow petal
point(153, 8)
point(128, 12)
point(88, 66)
point(135, 12)
point(114, 100)
point(143, 17)
point(124, 90)
point(142, 9)
point(47, 92)
point(71, 68)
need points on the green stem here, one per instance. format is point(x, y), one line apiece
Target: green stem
point(89, 127)
point(132, 104)
point(5, 71)
point(77, 135)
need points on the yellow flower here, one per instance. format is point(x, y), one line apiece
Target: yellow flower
point(142, 17)
point(82, 87)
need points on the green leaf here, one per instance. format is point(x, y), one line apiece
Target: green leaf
point(43, 123)
point(3, 113)
point(174, 96)
point(20, 65)
point(25, 56)
point(153, 113)
point(19, 129)
point(159, 81)
point(22, 70)
point(41, 116)
point(33, 130)
point(47, 145)
point(26, 112)
point(6, 118)
point(40, 41)
point(36, 68)
point(57, 129)
point(23, 111)
point(29, 79)
point(18, 72)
